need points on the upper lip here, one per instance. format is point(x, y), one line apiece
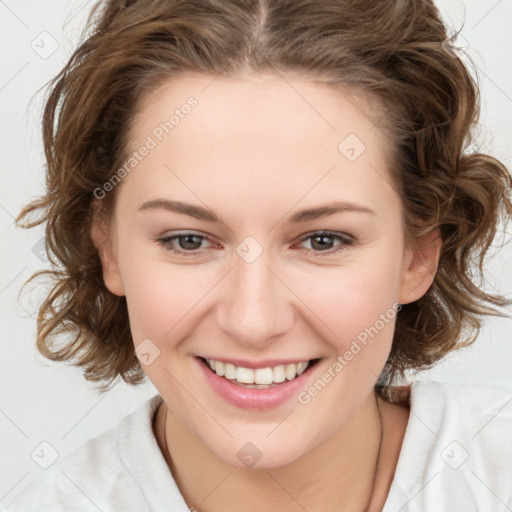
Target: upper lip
point(244, 363)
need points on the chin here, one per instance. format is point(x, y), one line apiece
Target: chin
point(255, 452)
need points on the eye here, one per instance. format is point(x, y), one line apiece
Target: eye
point(188, 243)
point(324, 241)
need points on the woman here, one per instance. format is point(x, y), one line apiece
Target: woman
point(267, 208)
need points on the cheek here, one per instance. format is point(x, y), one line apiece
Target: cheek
point(355, 302)
point(159, 295)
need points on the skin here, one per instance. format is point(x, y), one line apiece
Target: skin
point(255, 150)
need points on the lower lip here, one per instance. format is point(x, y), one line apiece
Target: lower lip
point(251, 398)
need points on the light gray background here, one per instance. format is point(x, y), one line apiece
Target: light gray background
point(46, 402)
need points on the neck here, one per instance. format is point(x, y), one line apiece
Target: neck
point(358, 479)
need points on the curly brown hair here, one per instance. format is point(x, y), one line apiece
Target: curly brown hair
point(397, 52)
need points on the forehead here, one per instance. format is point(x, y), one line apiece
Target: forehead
point(277, 129)
point(287, 104)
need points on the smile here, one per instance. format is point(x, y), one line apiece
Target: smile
point(259, 378)
point(262, 388)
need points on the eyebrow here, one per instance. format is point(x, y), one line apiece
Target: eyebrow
point(198, 212)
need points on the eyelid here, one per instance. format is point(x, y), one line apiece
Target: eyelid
point(166, 239)
point(327, 232)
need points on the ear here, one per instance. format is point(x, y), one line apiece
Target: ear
point(103, 240)
point(420, 267)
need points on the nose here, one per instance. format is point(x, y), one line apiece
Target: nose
point(255, 306)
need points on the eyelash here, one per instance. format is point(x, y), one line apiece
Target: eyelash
point(346, 241)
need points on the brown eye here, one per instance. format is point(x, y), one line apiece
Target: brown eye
point(186, 244)
point(328, 242)
point(189, 242)
point(321, 242)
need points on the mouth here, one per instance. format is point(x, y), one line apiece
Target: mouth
point(259, 378)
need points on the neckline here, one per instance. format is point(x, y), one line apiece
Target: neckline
point(417, 440)
point(414, 443)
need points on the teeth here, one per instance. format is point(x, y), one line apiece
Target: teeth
point(301, 367)
point(290, 370)
point(244, 375)
point(263, 376)
point(278, 374)
point(219, 368)
point(229, 370)
point(259, 378)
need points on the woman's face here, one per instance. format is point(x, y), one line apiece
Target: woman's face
point(296, 253)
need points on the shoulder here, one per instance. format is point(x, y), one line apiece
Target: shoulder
point(478, 411)
point(95, 476)
point(457, 448)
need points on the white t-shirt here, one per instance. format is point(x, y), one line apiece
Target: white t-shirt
point(456, 456)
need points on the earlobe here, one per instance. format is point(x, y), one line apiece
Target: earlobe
point(420, 267)
point(103, 241)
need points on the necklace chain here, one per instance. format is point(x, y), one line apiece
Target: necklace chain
point(377, 462)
